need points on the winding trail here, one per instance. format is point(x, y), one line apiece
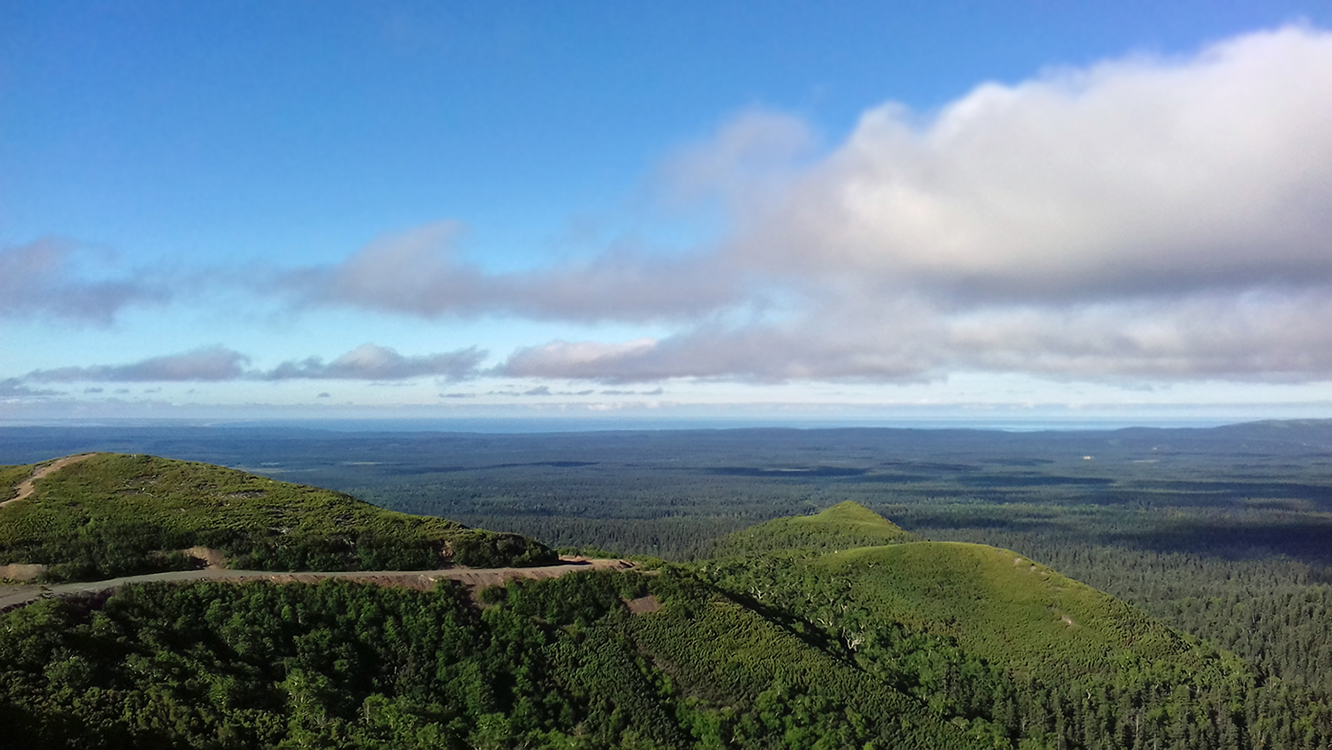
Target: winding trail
point(29, 485)
point(18, 595)
point(12, 597)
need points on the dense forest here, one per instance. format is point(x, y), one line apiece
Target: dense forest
point(902, 644)
point(1223, 534)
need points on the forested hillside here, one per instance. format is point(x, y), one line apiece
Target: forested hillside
point(836, 630)
point(108, 515)
point(558, 663)
point(1012, 649)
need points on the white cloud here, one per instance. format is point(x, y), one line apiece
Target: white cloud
point(372, 362)
point(211, 363)
point(1142, 218)
point(218, 363)
point(584, 359)
point(417, 273)
point(750, 156)
point(1139, 176)
point(1157, 218)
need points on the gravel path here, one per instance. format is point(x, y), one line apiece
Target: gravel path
point(12, 596)
point(28, 486)
point(17, 596)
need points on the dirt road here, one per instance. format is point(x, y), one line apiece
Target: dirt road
point(28, 486)
point(12, 596)
point(17, 596)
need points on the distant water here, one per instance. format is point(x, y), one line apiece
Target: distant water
point(527, 426)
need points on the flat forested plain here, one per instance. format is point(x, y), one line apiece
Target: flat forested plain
point(1224, 533)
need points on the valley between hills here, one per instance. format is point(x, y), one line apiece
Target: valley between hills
point(319, 620)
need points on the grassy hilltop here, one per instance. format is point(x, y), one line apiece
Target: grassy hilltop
point(842, 526)
point(849, 566)
point(1011, 650)
point(112, 514)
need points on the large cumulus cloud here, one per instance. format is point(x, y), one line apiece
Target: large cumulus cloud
point(1142, 218)
point(1145, 217)
point(1140, 176)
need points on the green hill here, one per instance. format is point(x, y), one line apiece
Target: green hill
point(1008, 648)
point(843, 526)
point(112, 514)
point(1003, 607)
point(993, 603)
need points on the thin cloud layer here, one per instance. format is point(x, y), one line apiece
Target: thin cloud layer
point(892, 340)
point(417, 273)
point(371, 362)
point(41, 279)
point(749, 157)
point(1259, 335)
point(366, 362)
point(14, 388)
point(210, 364)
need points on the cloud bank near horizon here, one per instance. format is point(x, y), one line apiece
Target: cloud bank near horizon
point(368, 362)
point(372, 362)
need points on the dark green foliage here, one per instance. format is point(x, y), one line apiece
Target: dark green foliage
point(256, 665)
point(750, 682)
point(486, 549)
point(551, 663)
point(795, 650)
point(1017, 653)
point(112, 515)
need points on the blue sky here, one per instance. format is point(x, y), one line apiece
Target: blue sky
point(579, 209)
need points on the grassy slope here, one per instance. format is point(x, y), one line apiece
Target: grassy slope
point(994, 603)
point(1006, 608)
point(10, 476)
point(843, 526)
point(111, 512)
